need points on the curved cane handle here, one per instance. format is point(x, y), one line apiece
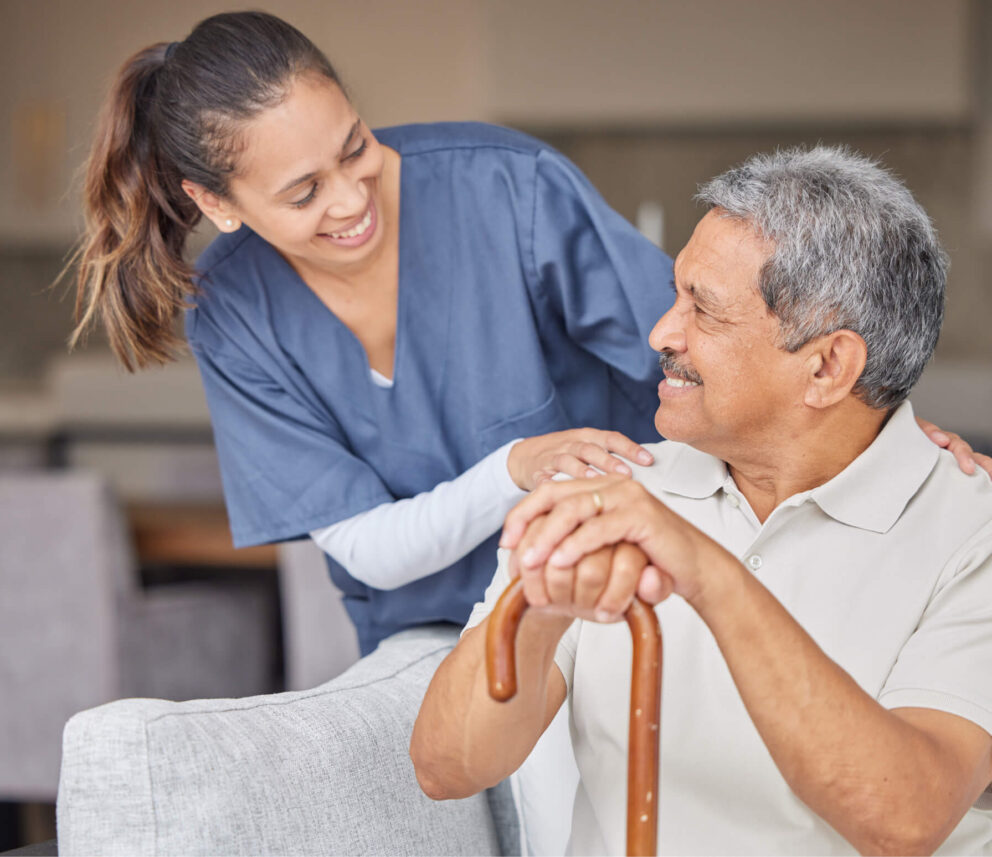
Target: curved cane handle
point(645, 703)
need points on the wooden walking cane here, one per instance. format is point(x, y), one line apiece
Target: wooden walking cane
point(645, 704)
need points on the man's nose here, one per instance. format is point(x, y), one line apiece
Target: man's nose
point(668, 333)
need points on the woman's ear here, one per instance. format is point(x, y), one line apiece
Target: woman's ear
point(216, 210)
point(834, 365)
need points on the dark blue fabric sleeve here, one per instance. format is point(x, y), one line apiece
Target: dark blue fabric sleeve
point(607, 282)
point(286, 470)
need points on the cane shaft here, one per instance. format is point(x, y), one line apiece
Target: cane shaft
point(644, 731)
point(645, 703)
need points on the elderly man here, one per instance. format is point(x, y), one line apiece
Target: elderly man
point(828, 649)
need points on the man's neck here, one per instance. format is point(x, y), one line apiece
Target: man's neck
point(804, 456)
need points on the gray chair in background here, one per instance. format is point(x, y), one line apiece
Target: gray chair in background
point(77, 629)
point(319, 641)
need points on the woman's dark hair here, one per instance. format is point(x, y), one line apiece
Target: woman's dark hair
point(176, 111)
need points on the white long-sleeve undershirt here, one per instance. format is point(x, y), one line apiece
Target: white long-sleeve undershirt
point(399, 542)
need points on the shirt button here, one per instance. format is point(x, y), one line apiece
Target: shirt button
point(754, 561)
point(733, 501)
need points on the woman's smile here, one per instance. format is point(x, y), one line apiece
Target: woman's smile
point(358, 232)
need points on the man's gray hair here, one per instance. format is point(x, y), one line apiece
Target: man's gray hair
point(852, 250)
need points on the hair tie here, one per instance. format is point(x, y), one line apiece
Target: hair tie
point(170, 50)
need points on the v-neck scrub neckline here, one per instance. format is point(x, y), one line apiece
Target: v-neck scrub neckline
point(379, 380)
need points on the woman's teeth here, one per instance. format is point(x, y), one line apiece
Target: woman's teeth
point(680, 382)
point(357, 230)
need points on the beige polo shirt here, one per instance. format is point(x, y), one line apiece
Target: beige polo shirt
point(887, 566)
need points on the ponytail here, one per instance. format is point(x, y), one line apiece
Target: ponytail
point(174, 114)
point(132, 273)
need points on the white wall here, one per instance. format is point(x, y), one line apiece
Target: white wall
point(721, 61)
point(537, 62)
point(403, 61)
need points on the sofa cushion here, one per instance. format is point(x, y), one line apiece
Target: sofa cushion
point(320, 771)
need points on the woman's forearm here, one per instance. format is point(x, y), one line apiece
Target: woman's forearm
point(399, 542)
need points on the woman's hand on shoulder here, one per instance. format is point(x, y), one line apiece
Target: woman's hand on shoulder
point(576, 452)
point(966, 457)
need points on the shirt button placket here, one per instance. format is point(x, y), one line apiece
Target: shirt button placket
point(754, 562)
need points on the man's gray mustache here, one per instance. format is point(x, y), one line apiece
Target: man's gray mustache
point(670, 365)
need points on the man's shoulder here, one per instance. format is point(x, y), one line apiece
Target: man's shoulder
point(921, 486)
point(963, 501)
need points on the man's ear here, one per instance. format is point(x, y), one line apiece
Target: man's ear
point(218, 211)
point(834, 364)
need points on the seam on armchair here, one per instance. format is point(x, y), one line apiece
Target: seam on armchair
point(151, 790)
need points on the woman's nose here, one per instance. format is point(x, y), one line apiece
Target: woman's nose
point(348, 198)
point(668, 332)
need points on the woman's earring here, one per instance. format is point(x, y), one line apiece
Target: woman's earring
point(229, 223)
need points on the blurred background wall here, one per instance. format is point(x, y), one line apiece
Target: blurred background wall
point(649, 97)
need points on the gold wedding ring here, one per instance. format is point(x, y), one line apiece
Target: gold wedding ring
point(597, 502)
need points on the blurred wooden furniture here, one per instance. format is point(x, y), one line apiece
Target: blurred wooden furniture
point(78, 628)
point(190, 534)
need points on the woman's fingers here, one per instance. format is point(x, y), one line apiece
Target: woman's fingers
point(623, 445)
point(598, 457)
point(582, 458)
point(965, 456)
point(962, 452)
point(576, 452)
point(600, 448)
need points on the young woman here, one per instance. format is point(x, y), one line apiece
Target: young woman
point(382, 318)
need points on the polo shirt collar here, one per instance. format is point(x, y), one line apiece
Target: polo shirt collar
point(875, 488)
point(870, 493)
point(694, 474)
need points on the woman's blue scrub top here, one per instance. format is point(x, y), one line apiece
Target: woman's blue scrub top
point(525, 304)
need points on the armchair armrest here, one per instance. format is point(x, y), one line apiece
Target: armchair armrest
point(319, 771)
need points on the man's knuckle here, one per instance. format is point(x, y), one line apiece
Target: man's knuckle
point(593, 569)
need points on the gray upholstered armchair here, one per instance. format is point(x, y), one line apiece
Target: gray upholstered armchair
point(321, 771)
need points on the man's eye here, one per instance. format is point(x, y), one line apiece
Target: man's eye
point(300, 203)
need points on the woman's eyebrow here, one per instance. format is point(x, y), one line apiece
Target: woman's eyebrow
point(290, 185)
point(351, 135)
